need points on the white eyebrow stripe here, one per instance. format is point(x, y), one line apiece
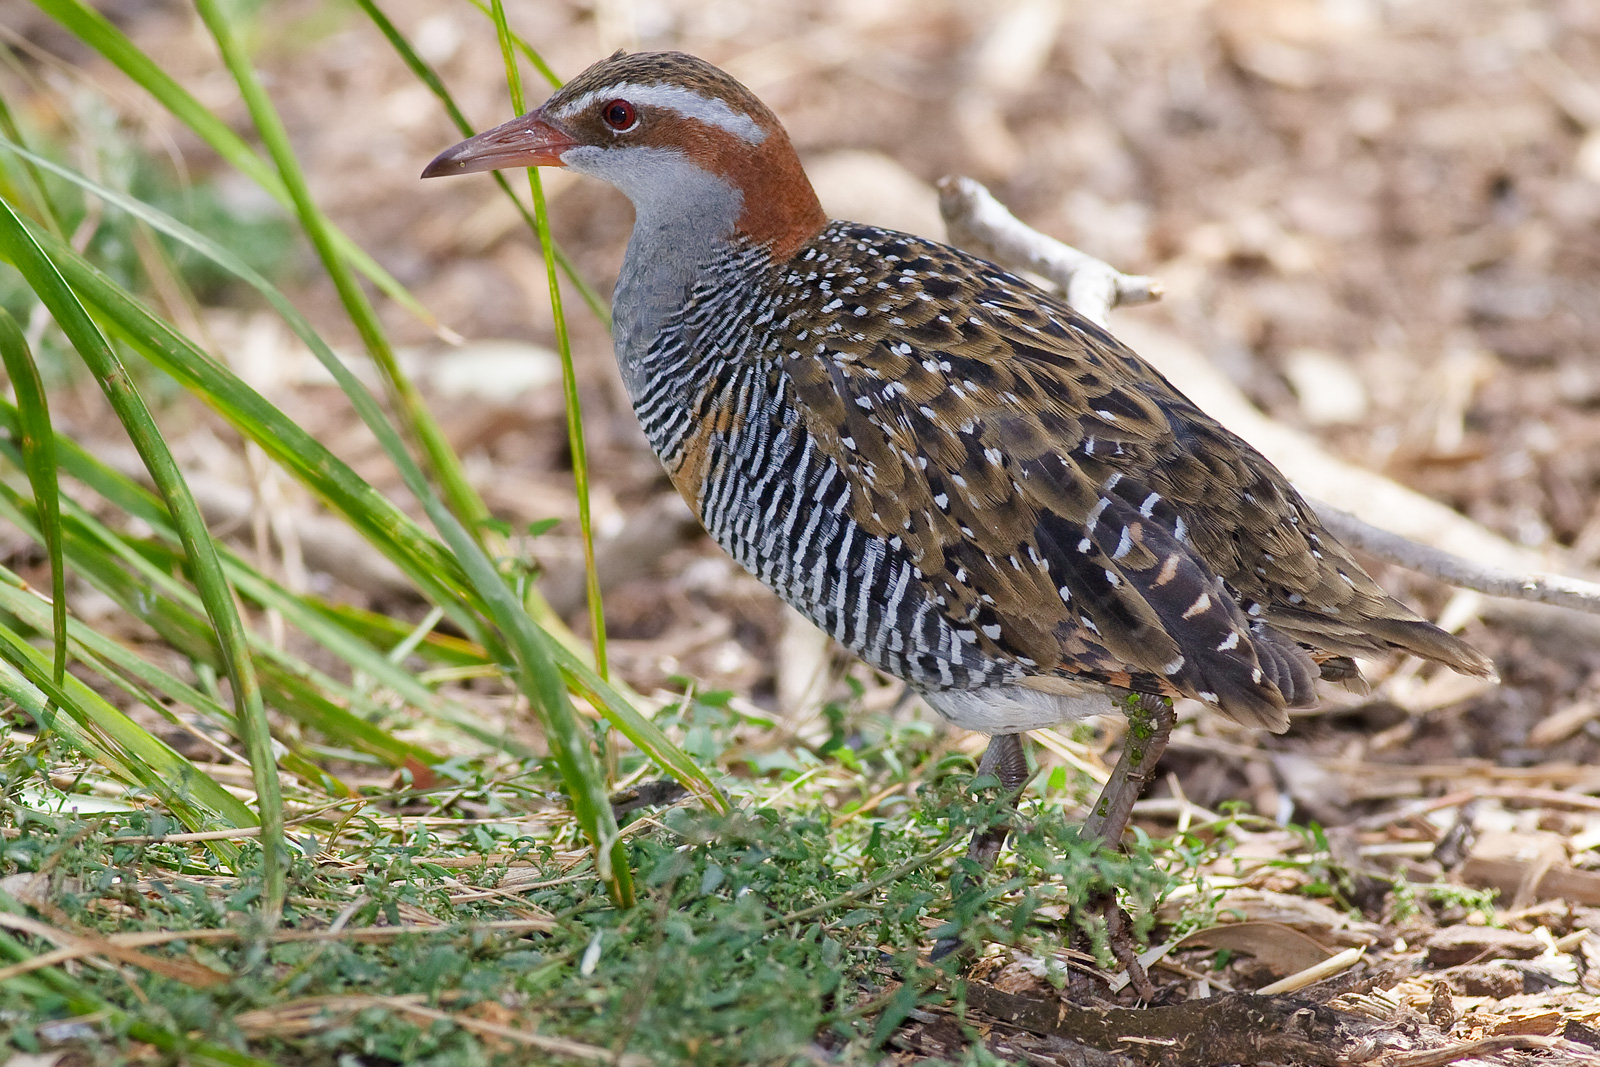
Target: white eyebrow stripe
point(686, 102)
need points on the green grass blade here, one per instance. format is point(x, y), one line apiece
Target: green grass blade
point(412, 411)
point(364, 658)
point(646, 735)
point(388, 528)
point(378, 629)
point(299, 453)
point(575, 442)
point(147, 590)
point(139, 678)
point(89, 645)
point(361, 655)
point(251, 414)
point(47, 210)
point(569, 378)
point(114, 740)
point(419, 633)
point(47, 282)
point(528, 51)
point(38, 441)
point(373, 514)
point(94, 30)
point(597, 690)
point(14, 685)
point(546, 690)
point(430, 78)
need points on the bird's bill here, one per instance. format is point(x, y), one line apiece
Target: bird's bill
point(526, 141)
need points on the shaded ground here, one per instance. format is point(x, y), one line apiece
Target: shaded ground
point(1382, 219)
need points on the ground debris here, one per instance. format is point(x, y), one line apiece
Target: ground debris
point(1235, 1028)
point(1465, 944)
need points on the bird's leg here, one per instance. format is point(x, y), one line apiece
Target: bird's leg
point(1150, 721)
point(1006, 760)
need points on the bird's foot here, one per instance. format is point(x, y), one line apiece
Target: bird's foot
point(1150, 722)
point(1083, 984)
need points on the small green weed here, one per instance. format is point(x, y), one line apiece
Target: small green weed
point(754, 933)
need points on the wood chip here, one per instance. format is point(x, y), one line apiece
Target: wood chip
point(1563, 723)
point(1527, 867)
point(1455, 945)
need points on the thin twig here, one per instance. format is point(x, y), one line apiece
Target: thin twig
point(1318, 972)
point(1390, 547)
point(121, 946)
point(980, 223)
point(74, 945)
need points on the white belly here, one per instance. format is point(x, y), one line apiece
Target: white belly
point(1013, 709)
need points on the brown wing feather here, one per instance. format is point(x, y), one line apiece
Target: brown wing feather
point(1069, 504)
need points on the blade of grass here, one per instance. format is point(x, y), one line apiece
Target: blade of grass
point(377, 629)
point(636, 728)
point(528, 51)
point(151, 594)
point(14, 685)
point(38, 442)
point(115, 741)
point(421, 557)
point(400, 652)
point(88, 644)
point(430, 78)
point(24, 253)
point(533, 598)
point(546, 690)
point(48, 212)
point(379, 520)
point(388, 528)
point(569, 379)
point(96, 31)
point(138, 502)
point(413, 414)
point(139, 678)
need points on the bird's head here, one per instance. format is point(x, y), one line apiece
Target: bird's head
point(664, 127)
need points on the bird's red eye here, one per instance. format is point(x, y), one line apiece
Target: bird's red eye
point(619, 115)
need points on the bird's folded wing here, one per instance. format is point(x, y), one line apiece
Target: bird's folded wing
point(1006, 452)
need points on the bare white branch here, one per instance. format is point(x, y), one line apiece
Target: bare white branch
point(1390, 547)
point(979, 223)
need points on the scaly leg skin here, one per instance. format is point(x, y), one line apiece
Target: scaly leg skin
point(1006, 760)
point(1150, 721)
